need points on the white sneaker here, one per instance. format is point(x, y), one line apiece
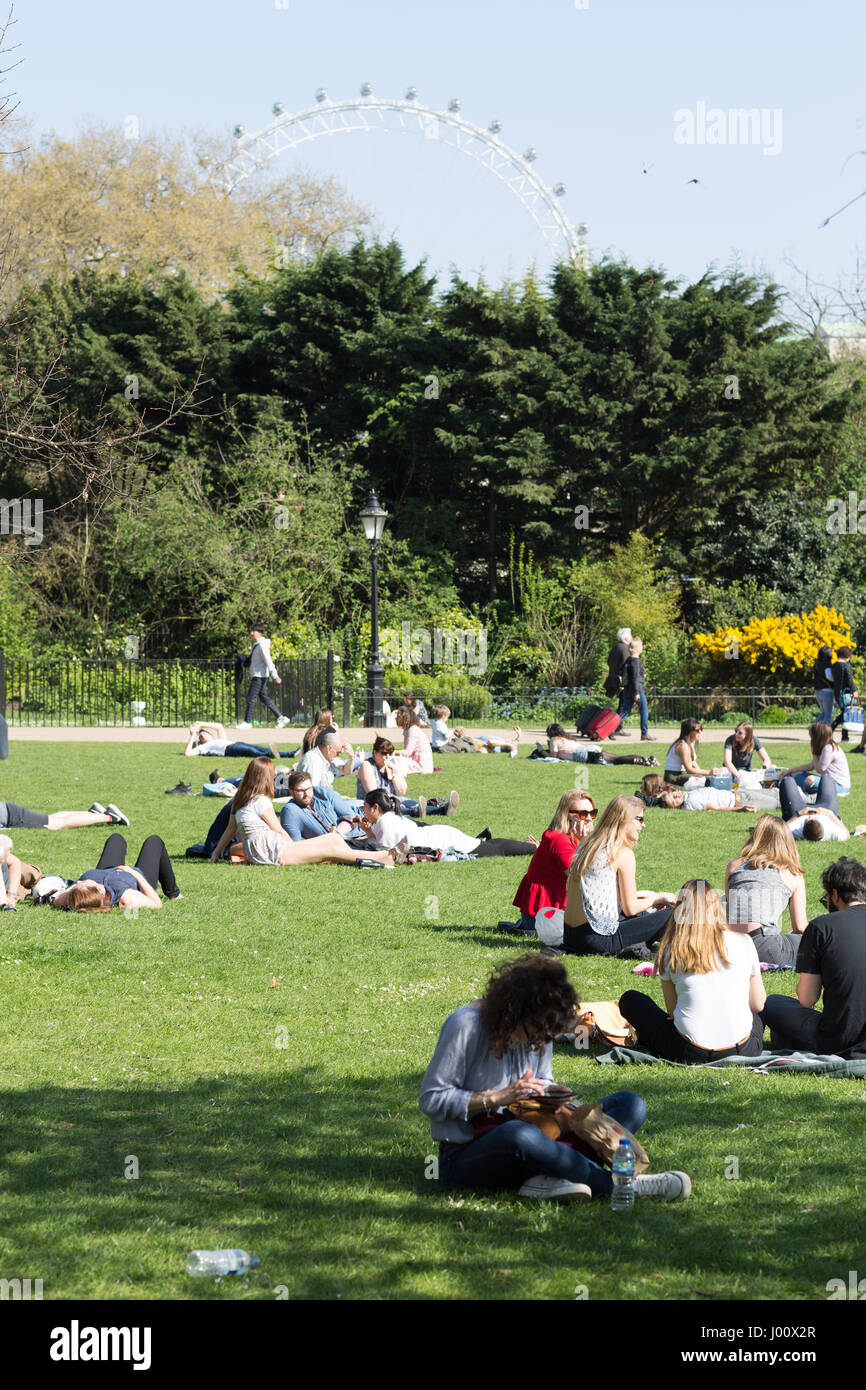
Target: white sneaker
point(281, 722)
point(243, 725)
point(669, 1187)
point(97, 810)
point(453, 803)
point(118, 817)
point(555, 1189)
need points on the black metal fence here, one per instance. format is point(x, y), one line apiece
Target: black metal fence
point(667, 706)
point(165, 693)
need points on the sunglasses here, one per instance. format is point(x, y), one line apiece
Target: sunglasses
point(582, 815)
point(640, 819)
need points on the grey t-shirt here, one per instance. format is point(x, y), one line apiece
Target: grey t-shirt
point(464, 1062)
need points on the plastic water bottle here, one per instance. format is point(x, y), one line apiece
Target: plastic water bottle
point(622, 1196)
point(213, 1262)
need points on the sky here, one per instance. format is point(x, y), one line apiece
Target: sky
point(604, 90)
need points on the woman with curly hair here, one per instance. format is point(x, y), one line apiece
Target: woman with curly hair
point(417, 749)
point(498, 1050)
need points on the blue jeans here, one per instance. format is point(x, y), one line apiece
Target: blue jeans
point(802, 782)
point(825, 704)
point(793, 802)
point(515, 1151)
point(255, 750)
point(791, 1024)
point(625, 708)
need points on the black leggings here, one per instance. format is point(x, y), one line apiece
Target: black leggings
point(657, 1034)
point(488, 848)
point(153, 862)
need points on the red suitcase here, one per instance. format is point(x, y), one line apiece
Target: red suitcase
point(604, 724)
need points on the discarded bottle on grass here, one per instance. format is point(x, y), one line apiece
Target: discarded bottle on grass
point(622, 1169)
point(213, 1262)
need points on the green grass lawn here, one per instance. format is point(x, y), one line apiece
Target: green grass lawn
point(285, 1120)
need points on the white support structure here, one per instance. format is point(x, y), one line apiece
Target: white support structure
point(369, 113)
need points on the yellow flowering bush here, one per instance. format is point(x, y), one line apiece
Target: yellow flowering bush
point(783, 645)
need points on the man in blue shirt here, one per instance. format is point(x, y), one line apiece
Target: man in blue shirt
point(316, 810)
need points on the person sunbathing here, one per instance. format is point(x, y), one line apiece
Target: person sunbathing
point(382, 819)
point(113, 883)
point(655, 792)
point(212, 741)
point(15, 817)
point(569, 750)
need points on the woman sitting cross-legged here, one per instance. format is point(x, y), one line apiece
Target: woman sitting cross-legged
point(711, 982)
point(382, 770)
point(383, 820)
point(264, 839)
point(496, 1051)
point(545, 883)
point(740, 746)
point(827, 756)
point(604, 912)
point(681, 763)
point(764, 880)
point(113, 883)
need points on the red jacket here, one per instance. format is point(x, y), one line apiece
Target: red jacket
point(543, 884)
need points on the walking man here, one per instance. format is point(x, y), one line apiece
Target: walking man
point(261, 667)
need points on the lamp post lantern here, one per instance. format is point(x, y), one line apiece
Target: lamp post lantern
point(374, 517)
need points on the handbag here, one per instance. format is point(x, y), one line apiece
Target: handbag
point(604, 1023)
point(854, 718)
point(586, 1127)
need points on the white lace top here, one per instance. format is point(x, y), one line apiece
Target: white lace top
point(600, 899)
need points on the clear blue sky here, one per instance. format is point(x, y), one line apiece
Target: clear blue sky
point(593, 90)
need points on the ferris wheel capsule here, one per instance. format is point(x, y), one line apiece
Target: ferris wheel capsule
point(366, 89)
point(560, 190)
point(495, 127)
point(455, 105)
point(321, 95)
point(278, 108)
point(530, 155)
point(239, 132)
point(411, 94)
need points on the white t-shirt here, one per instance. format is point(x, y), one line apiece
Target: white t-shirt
point(832, 831)
point(713, 1010)
point(440, 732)
point(706, 798)
point(215, 748)
point(249, 818)
point(321, 772)
point(390, 829)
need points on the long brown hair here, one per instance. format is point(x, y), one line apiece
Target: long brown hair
point(86, 897)
point(322, 719)
point(532, 993)
point(749, 729)
point(770, 845)
point(567, 802)
point(609, 834)
point(654, 785)
point(820, 734)
point(693, 942)
point(258, 780)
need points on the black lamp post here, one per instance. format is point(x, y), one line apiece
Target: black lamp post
point(374, 518)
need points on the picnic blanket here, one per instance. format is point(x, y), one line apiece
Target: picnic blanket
point(828, 1065)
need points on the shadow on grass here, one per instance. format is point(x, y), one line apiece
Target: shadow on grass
point(324, 1179)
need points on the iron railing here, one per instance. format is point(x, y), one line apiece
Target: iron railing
point(166, 693)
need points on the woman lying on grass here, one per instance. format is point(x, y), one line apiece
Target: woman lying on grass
point(604, 913)
point(569, 750)
point(496, 1051)
point(383, 820)
point(711, 982)
point(114, 884)
point(655, 792)
point(266, 842)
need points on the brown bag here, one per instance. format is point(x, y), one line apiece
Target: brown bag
point(604, 1023)
point(603, 1134)
point(587, 1124)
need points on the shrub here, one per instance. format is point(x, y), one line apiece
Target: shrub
point(784, 647)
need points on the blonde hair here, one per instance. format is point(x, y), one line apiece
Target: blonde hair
point(770, 845)
point(441, 712)
point(609, 834)
point(693, 942)
point(567, 802)
point(635, 647)
point(86, 897)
